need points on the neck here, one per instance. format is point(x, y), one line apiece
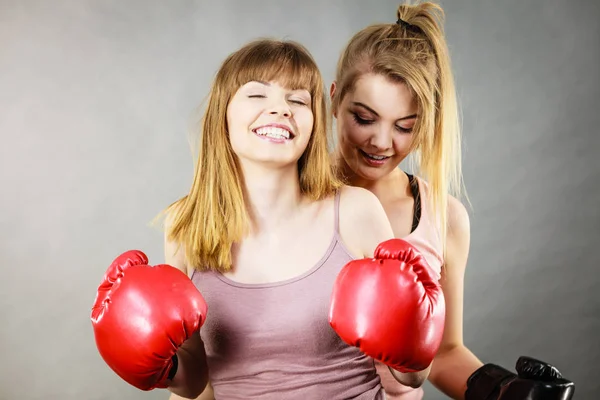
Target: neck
point(392, 184)
point(273, 195)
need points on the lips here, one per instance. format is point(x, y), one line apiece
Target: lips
point(374, 160)
point(374, 157)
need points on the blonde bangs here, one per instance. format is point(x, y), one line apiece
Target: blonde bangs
point(291, 65)
point(287, 63)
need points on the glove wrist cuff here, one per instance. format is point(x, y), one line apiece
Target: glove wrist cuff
point(174, 367)
point(167, 375)
point(486, 382)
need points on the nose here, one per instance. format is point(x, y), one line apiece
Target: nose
point(280, 106)
point(381, 139)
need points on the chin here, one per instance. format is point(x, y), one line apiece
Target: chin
point(369, 173)
point(269, 157)
point(275, 162)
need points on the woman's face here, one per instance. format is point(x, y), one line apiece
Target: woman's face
point(269, 124)
point(374, 125)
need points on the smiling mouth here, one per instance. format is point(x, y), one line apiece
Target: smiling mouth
point(373, 156)
point(274, 133)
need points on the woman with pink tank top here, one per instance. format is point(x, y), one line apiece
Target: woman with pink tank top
point(297, 270)
point(393, 96)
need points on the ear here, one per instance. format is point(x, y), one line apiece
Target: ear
point(331, 93)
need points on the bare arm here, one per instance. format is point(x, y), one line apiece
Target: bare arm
point(208, 394)
point(191, 377)
point(375, 229)
point(454, 362)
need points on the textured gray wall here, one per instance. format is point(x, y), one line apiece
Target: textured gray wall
point(96, 102)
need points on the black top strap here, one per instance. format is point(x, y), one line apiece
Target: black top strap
point(416, 194)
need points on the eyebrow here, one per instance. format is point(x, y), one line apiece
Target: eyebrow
point(359, 104)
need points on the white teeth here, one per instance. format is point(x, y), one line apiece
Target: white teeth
point(376, 157)
point(273, 132)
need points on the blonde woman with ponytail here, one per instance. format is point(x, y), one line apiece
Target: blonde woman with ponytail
point(394, 99)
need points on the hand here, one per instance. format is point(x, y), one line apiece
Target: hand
point(535, 380)
point(391, 307)
point(141, 316)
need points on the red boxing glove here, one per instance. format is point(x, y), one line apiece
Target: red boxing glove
point(142, 315)
point(391, 307)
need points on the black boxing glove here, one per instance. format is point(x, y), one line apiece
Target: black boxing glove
point(535, 380)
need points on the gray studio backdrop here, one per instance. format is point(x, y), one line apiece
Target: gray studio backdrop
point(97, 102)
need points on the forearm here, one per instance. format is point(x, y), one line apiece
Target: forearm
point(411, 379)
point(451, 369)
point(192, 375)
point(208, 394)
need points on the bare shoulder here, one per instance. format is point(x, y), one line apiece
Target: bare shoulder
point(459, 225)
point(174, 251)
point(353, 196)
point(458, 234)
point(363, 221)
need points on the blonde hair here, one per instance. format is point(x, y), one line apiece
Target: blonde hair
point(214, 214)
point(413, 51)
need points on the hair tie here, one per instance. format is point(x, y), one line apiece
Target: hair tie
point(403, 23)
point(409, 27)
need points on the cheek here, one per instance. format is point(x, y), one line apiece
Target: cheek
point(237, 127)
point(402, 143)
point(305, 119)
point(350, 134)
point(233, 117)
point(240, 117)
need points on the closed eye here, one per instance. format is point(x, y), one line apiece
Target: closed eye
point(361, 121)
point(299, 102)
point(404, 130)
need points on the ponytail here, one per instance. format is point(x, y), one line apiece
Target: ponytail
point(413, 51)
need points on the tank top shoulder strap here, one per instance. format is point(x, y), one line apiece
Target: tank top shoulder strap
point(336, 212)
point(427, 218)
point(425, 232)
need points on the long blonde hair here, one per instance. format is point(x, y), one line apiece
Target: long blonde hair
point(413, 51)
point(214, 214)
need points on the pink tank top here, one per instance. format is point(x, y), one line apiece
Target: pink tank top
point(274, 341)
point(426, 238)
